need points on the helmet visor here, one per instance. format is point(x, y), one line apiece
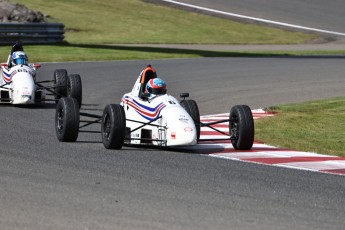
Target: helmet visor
point(156, 91)
point(21, 61)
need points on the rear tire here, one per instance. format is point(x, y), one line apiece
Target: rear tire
point(74, 87)
point(60, 82)
point(193, 110)
point(241, 127)
point(67, 119)
point(113, 126)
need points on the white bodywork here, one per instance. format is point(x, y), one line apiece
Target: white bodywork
point(18, 84)
point(167, 122)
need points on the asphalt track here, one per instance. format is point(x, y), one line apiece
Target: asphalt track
point(45, 184)
point(319, 14)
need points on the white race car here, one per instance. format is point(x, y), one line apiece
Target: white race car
point(159, 121)
point(18, 84)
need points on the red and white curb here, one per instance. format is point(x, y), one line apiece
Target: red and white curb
point(265, 154)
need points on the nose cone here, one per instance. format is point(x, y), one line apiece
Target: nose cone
point(23, 100)
point(23, 88)
point(182, 130)
point(190, 136)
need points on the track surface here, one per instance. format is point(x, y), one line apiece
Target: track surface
point(310, 13)
point(45, 184)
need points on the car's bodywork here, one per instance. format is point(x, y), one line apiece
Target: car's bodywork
point(18, 83)
point(167, 123)
point(143, 120)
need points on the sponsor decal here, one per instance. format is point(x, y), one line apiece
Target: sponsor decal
point(183, 119)
point(173, 135)
point(188, 129)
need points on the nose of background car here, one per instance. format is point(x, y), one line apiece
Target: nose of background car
point(23, 88)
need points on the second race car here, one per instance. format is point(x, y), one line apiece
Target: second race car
point(19, 86)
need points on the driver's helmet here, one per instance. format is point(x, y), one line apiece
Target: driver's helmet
point(155, 87)
point(19, 58)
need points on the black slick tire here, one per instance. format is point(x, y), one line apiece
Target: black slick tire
point(74, 87)
point(113, 126)
point(60, 83)
point(67, 119)
point(241, 127)
point(193, 110)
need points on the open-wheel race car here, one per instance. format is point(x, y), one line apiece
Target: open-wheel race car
point(19, 86)
point(146, 117)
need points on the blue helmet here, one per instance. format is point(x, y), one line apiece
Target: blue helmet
point(19, 58)
point(156, 86)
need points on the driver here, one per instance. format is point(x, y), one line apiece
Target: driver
point(156, 87)
point(19, 58)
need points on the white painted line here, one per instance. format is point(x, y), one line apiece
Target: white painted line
point(255, 19)
point(319, 165)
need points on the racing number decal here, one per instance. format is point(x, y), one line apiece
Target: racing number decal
point(22, 70)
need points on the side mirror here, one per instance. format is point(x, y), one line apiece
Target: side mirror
point(184, 95)
point(36, 65)
point(4, 64)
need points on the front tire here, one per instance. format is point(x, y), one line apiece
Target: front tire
point(67, 119)
point(74, 87)
point(113, 126)
point(241, 127)
point(193, 110)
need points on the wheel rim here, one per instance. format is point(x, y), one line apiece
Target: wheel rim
point(60, 118)
point(107, 127)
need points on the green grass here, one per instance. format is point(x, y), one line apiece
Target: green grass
point(134, 21)
point(316, 126)
point(70, 52)
point(91, 25)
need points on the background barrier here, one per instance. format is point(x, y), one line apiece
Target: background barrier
point(31, 33)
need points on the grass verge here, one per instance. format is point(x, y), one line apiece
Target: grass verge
point(91, 25)
point(316, 126)
point(85, 52)
point(134, 21)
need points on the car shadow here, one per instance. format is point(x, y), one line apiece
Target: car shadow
point(36, 106)
point(202, 53)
